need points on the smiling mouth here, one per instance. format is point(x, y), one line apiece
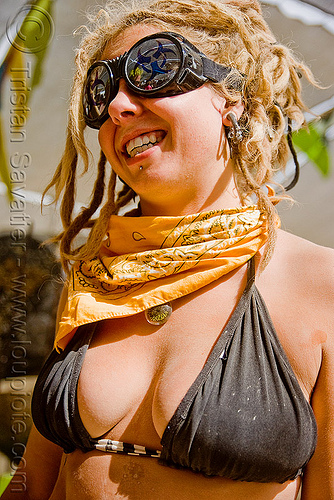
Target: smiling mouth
point(143, 142)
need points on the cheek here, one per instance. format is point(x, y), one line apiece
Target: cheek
point(198, 111)
point(106, 138)
point(101, 139)
point(202, 128)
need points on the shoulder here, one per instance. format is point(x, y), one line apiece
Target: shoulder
point(303, 266)
point(291, 247)
point(298, 287)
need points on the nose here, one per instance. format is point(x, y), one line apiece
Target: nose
point(125, 106)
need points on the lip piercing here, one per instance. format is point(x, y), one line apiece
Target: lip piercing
point(141, 167)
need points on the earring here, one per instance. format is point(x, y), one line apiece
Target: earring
point(235, 133)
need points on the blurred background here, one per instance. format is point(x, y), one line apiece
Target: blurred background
point(37, 49)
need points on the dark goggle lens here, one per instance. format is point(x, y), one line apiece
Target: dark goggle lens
point(153, 64)
point(97, 91)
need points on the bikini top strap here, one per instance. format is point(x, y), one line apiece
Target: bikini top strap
point(251, 271)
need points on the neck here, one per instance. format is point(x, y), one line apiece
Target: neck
point(223, 194)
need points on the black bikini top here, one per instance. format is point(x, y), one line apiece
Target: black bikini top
point(244, 418)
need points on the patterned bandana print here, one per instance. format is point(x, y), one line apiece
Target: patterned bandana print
point(147, 261)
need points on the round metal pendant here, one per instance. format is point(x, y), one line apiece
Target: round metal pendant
point(158, 315)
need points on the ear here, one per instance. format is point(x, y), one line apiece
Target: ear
point(237, 109)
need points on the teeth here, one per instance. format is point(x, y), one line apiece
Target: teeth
point(142, 143)
point(138, 142)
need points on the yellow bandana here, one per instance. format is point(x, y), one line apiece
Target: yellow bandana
point(147, 261)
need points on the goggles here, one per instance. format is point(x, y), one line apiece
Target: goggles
point(160, 65)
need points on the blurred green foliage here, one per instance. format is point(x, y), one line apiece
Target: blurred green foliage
point(4, 481)
point(312, 141)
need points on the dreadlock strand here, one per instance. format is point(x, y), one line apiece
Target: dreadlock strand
point(98, 191)
point(251, 187)
point(60, 177)
point(124, 196)
point(99, 229)
point(84, 218)
point(67, 205)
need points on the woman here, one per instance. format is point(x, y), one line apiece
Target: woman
point(170, 377)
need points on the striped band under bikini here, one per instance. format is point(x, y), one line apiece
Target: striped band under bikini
point(126, 448)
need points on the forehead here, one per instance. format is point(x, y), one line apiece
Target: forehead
point(127, 39)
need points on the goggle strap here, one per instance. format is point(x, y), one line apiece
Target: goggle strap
point(215, 72)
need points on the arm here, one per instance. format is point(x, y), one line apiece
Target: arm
point(38, 471)
point(318, 482)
